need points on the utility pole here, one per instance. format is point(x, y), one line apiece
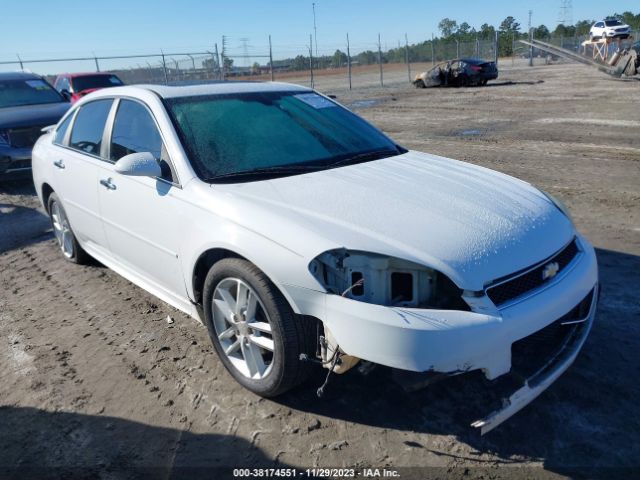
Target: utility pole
point(270, 59)
point(433, 50)
point(380, 60)
point(406, 55)
point(217, 61)
point(311, 58)
point(315, 30)
point(349, 61)
point(530, 40)
point(222, 57)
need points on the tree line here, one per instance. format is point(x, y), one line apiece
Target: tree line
point(509, 31)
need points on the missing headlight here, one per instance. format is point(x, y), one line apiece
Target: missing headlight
point(401, 287)
point(381, 280)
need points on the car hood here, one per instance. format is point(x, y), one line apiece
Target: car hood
point(473, 224)
point(28, 115)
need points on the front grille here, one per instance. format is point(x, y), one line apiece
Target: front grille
point(532, 279)
point(25, 137)
point(531, 356)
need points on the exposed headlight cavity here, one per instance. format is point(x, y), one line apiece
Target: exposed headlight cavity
point(382, 280)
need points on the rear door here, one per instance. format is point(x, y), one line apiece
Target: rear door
point(78, 154)
point(142, 215)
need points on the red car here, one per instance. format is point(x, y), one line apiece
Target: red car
point(74, 86)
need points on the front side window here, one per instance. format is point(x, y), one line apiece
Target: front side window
point(272, 133)
point(135, 131)
point(14, 93)
point(88, 128)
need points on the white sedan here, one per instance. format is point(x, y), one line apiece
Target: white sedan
point(299, 234)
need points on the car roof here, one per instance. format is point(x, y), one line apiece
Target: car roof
point(19, 76)
point(84, 74)
point(168, 91)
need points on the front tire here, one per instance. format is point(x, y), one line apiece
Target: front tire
point(253, 329)
point(71, 249)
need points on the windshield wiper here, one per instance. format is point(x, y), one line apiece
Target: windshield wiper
point(365, 156)
point(266, 172)
point(284, 170)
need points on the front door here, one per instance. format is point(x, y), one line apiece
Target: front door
point(142, 216)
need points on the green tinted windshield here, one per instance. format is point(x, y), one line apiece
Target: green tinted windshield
point(14, 93)
point(227, 134)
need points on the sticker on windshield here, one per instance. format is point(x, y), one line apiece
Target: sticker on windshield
point(37, 84)
point(315, 100)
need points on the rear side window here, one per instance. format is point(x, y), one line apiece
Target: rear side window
point(86, 135)
point(135, 131)
point(62, 131)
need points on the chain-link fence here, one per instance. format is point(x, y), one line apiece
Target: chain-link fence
point(354, 62)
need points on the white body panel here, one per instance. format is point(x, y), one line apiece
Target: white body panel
point(470, 223)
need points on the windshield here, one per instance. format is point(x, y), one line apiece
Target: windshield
point(95, 81)
point(612, 23)
point(14, 93)
point(275, 133)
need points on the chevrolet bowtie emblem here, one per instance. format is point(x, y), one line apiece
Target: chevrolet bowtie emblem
point(550, 270)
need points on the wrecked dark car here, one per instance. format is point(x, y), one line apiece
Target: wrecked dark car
point(460, 72)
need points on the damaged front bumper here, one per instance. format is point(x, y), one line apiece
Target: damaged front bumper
point(555, 366)
point(447, 341)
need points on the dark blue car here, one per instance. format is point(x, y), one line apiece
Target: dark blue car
point(28, 103)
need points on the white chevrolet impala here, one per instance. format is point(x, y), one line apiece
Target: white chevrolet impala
point(299, 234)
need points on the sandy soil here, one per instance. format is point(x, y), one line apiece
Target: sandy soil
point(96, 383)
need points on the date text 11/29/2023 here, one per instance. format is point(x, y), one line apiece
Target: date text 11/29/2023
point(315, 473)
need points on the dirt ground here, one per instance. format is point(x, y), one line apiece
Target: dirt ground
point(96, 383)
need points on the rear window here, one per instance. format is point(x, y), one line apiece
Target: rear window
point(32, 91)
point(95, 81)
point(62, 130)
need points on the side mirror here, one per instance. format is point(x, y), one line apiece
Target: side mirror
point(142, 164)
point(66, 94)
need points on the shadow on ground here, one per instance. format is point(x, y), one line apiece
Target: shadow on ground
point(586, 422)
point(22, 226)
point(18, 187)
point(39, 444)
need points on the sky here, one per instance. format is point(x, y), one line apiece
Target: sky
point(45, 29)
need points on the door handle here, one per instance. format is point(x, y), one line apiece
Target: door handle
point(108, 183)
point(59, 164)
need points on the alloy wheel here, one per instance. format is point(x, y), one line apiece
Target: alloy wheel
point(243, 328)
point(62, 229)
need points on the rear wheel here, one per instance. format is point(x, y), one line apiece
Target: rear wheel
point(67, 241)
point(254, 331)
